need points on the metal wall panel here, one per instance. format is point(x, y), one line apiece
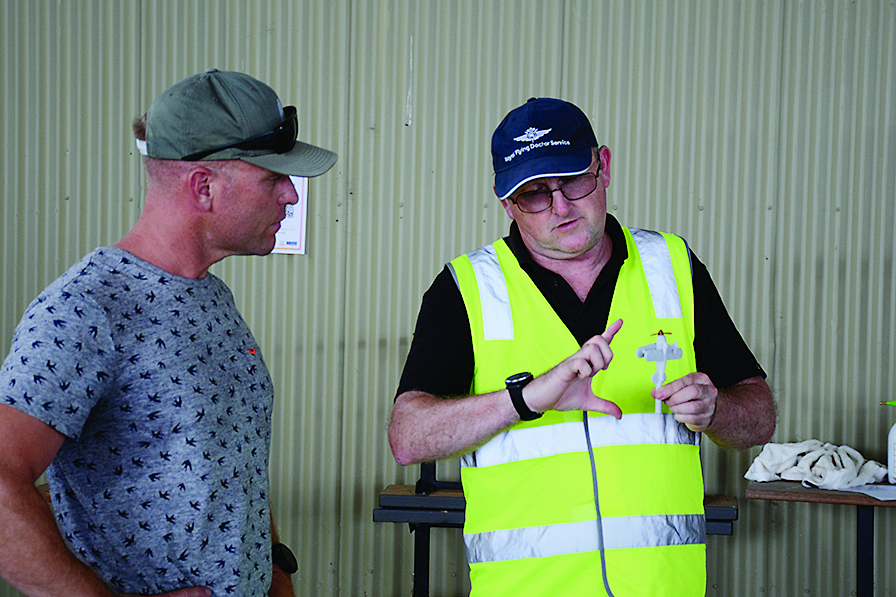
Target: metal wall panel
point(763, 132)
point(834, 274)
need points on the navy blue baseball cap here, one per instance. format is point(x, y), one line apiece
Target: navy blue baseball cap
point(543, 137)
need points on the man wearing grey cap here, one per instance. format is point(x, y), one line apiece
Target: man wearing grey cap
point(573, 365)
point(135, 383)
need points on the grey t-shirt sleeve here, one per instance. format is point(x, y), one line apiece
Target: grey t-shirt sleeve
point(61, 360)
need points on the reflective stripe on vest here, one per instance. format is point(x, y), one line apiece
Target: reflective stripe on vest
point(496, 314)
point(657, 265)
point(562, 438)
point(621, 532)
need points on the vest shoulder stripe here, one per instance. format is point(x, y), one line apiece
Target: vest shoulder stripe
point(624, 532)
point(657, 263)
point(494, 298)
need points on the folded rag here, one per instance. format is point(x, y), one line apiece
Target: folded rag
point(823, 465)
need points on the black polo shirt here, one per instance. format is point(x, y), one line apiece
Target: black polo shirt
point(440, 361)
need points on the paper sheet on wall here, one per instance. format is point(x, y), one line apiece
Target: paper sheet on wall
point(291, 236)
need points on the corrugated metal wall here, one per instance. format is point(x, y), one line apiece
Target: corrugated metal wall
point(761, 131)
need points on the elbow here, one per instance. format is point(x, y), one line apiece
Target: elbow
point(403, 459)
point(769, 421)
point(404, 431)
point(762, 412)
point(401, 452)
point(402, 449)
point(768, 430)
point(760, 433)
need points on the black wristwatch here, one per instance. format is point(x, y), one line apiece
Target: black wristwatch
point(283, 558)
point(515, 384)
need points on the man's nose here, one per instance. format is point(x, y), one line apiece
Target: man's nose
point(289, 195)
point(559, 202)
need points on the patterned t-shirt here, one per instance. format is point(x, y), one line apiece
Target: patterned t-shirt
point(165, 402)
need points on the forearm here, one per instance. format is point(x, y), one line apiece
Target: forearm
point(744, 415)
point(33, 556)
point(426, 427)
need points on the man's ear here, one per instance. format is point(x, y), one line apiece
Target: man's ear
point(604, 154)
point(506, 203)
point(201, 191)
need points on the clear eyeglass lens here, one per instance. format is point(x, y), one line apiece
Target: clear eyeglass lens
point(534, 201)
point(540, 199)
point(578, 187)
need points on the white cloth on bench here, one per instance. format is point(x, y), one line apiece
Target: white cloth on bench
point(813, 463)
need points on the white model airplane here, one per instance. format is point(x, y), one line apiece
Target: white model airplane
point(661, 351)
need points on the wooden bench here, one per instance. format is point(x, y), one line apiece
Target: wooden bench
point(432, 503)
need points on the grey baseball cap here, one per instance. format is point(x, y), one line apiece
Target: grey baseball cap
point(224, 115)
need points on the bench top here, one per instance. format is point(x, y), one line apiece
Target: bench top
point(405, 497)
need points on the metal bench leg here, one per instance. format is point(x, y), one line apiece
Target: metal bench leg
point(865, 551)
point(421, 559)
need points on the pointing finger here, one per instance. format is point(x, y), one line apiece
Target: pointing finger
point(611, 330)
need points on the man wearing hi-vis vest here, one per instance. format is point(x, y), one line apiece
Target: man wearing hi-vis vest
point(573, 365)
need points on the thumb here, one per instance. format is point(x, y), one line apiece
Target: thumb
point(607, 407)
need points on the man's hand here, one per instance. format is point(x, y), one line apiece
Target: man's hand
point(692, 399)
point(281, 584)
point(567, 386)
point(426, 427)
point(735, 417)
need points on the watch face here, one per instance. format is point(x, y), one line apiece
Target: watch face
point(284, 559)
point(518, 378)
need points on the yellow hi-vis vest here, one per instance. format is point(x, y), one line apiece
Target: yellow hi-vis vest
point(531, 519)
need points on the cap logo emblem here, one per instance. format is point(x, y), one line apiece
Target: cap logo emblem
point(531, 134)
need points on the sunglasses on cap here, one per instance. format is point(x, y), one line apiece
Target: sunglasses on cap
point(280, 140)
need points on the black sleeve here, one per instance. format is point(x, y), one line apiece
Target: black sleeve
point(721, 352)
point(440, 361)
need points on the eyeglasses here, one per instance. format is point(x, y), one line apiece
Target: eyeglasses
point(540, 199)
point(281, 139)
